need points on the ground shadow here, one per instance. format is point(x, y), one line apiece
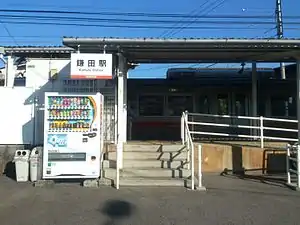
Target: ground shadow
point(117, 210)
point(7, 166)
point(237, 160)
point(272, 172)
point(273, 180)
point(10, 170)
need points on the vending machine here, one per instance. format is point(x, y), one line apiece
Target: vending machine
point(73, 135)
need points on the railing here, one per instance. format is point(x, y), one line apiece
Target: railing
point(254, 128)
point(188, 142)
point(293, 165)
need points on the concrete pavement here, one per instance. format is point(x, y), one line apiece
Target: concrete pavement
point(228, 200)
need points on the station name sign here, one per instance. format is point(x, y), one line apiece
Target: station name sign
point(91, 66)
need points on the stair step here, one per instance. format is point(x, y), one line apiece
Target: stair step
point(107, 164)
point(182, 155)
point(142, 173)
point(177, 164)
point(151, 182)
point(154, 147)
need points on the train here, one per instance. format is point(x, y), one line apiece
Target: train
point(155, 106)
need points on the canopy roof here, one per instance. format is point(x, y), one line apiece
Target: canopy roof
point(39, 51)
point(150, 50)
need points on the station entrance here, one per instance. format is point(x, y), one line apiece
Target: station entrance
point(173, 104)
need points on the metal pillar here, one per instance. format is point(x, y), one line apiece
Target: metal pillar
point(121, 108)
point(279, 25)
point(125, 104)
point(116, 112)
point(254, 97)
point(9, 73)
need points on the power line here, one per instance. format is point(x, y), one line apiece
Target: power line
point(8, 32)
point(86, 19)
point(191, 13)
point(134, 26)
point(143, 21)
point(195, 20)
point(139, 14)
point(33, 36)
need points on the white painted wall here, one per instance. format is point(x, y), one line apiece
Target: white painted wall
point(16, 115)
point(38, 78)
point(38, 73)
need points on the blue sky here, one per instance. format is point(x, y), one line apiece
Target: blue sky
point(51, 35)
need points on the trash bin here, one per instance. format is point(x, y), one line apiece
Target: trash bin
point(36, 164)
point(22, 166)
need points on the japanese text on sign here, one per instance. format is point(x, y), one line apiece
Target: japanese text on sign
point(91, 66)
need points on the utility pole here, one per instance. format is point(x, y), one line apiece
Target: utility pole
point(279, 26)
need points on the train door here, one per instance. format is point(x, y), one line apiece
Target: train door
point(223, 108)
point(240, 107)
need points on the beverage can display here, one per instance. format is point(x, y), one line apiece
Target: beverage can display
point(69, 113)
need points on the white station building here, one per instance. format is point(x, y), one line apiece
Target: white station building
point(31, 71)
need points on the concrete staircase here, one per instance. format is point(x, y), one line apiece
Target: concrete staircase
point(150, 165)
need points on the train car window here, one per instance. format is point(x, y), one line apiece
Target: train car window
point(223, 104)
point(203, 106)
point(292, 107)
point(240, 105)
point(283, 106)
point(151, 105)
point(179, 104)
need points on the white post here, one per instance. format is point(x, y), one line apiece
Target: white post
point(298, 167)
point(182, 128)
point(288, 147)
point(261, 119)
point(119, 149)
point(187, 140)
point(116, 114)
point(10, 73)
point(193, 166)
point(254, 95)
point(298, 97)
point(125, 103)
point(298, 117)
point(120, 119)
point(199, 166)
point(122, 71)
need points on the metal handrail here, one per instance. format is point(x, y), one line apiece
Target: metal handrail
point(190, 147)
point(295, 150)
point(187, 140)
point(259, 126)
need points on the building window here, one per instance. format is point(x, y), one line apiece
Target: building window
point(223, 104)
point(70, 85)
point(151, 105)
point(203, 106)
point(2, 78)
point(20, 80)
point(132, 106)
point(178, 104)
